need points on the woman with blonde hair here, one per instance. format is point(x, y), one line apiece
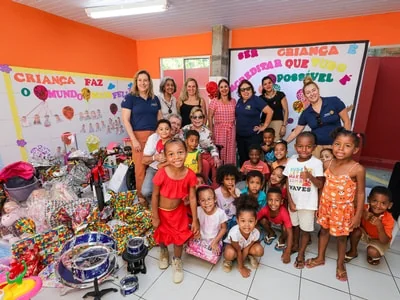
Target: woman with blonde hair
point(190, 98)
point(323, 115)
point(140, 111)
point(167, 99)
point(209, 153)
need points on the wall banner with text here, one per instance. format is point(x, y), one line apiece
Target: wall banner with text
point(336, 67)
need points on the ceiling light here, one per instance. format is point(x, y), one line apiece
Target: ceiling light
point(144, 7)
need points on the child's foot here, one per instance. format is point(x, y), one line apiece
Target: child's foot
point(299, 263)
point(373, 260)
point(314, 262)
point(164, 258)
point(253, 261)
point(341, 274)
point(177, 270)
point(268, 239)
point(227, 266)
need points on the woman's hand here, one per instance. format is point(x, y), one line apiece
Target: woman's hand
point(136, 145)
point(217, 162)
point(282, 132)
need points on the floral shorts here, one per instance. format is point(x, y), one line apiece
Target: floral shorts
point(336, 217)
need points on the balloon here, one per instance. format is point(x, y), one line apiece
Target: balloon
point(113, 108)
point(273, 78)
point(68, 112)
point(212, 89)
point(41, 92)
point(85, 94)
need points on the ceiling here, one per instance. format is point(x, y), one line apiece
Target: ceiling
point(197, 16)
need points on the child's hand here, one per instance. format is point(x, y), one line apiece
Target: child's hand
point(286, 256)
point(215, 247)
point(186, 200)
point(195, 227)
point(292, 206)
point(305, 174)
point(231, 190)
point(355, 222)
point(374, 220)
point(244, 271)
point(155, 221)
point(265, 148)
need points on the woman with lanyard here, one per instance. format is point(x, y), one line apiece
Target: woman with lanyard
point(248, 111)
point(221, 121)
point(278, 102)
point(323, 115)
point(140, 111)
point(167, 99)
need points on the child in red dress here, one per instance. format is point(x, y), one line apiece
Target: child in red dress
point(172, 184)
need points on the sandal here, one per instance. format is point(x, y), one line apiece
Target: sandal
point(269, 239)
point(279, 246)
point(341, 275)
point(299, 264)
point(373, 260)
point(312, 263)
point(348, 258)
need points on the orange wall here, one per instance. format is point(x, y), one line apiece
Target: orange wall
point(40, 40)
point(151, 51)
point(382, 29)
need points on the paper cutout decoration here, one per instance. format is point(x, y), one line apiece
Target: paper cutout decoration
point(111, 86)
point(85, 94)
point(41, 92)
point(68, 112)
point(67, 138)
point(5, 69)
point(40, 151)
point(113, 108)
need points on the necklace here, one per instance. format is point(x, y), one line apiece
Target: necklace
point(271, 96)
point(166, 103)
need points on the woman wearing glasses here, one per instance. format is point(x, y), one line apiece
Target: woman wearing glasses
point(190, 98)
point(323, 115)
point(248, 127)
point(209, 152)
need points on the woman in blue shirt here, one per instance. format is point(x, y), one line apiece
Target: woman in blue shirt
point(248, 112)
point(140, 111)
point(323, 115)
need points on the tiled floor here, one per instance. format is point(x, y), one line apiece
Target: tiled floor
point(272, 280)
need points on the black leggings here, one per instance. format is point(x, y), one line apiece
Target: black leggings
point(243, 144)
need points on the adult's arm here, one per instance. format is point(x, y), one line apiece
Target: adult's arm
point(159, 115)
point(295, 133)
point(126, 120)
point(345, 118)
point(267, 110)
point(285, 116)
point(211, 119)
point(204, 109)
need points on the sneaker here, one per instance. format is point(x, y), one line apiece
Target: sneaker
point(227, 266)
point(164, 258)
point(177, 270)
point(253, 261)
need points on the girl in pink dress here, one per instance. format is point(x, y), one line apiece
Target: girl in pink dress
point(221, 121)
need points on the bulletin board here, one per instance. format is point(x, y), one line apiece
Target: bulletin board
point(336, 67)
point(40, 106)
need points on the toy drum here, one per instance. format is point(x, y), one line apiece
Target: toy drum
point(91, 263)
point(135, 246)
point(129, 284)
point(79, 243)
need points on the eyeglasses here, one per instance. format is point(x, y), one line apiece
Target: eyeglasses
point(245, 89)
point(319, 121)
point(198, 117)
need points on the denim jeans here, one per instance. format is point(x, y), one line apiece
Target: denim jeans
point(147, 187)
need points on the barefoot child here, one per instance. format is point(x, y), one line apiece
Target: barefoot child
point(304, 177)
point(242, 240)
point(171, 185)
point(376, 226)
point(227, 176)
point(341, 203)
point(275, 213)
point(212, 219)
